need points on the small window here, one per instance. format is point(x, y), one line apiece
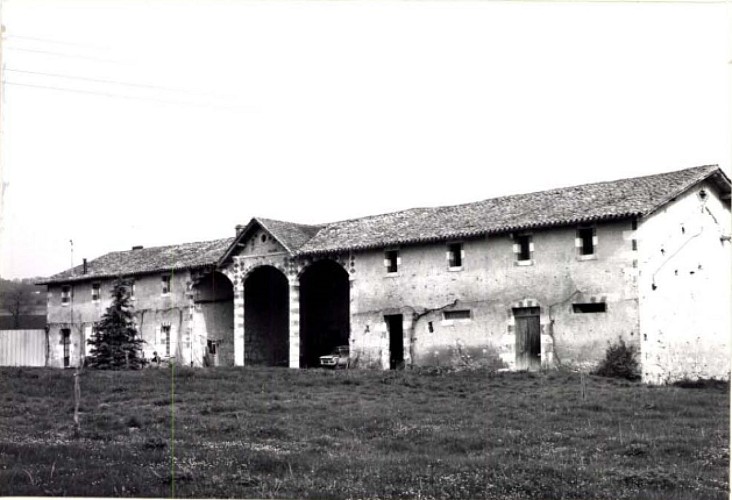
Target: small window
point(455, 255)
point(430, 327)
point(132, 290)
point(590, 307)
point(524, 247)
point(96, 292)
point(456, 314)
point(65, 294)
point(165, 339)
point(166, 284)
point(586, 240)
point(391, 261)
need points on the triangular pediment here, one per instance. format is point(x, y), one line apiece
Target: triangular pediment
point(256, 240)
point(268, 237)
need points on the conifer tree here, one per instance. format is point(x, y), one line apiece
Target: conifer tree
point(117, 345)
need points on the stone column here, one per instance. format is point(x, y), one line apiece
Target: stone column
point(239, 324)
point(294, 289)
point(407, 324)
point(188, 337)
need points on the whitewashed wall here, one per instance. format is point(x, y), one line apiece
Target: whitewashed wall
point(684, 288)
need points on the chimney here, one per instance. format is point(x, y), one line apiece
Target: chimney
point(84, 271)
point(239, 228)
point(137, 247)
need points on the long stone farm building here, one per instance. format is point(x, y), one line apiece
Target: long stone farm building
point(530, 280)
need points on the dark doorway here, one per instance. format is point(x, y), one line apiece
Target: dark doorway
point(266, 318)
point(528, 338)
point(214, 299)
point(66, 341)
point(396, 341)
point(325, 321)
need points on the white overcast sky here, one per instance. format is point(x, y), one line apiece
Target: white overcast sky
point(320, 111)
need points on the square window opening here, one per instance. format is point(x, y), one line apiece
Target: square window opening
point(590, 307)
point(524, 243)
point(455, 254)
point(391, 260)
point(586, 236)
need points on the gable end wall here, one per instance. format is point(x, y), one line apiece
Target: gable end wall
point(684, 289)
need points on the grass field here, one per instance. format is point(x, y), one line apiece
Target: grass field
point(353, 434)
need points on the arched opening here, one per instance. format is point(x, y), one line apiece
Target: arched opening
point(266, 318)
point(213, 321)
point(324, 311)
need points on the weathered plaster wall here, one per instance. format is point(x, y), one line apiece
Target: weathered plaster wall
point(152, 310)
point(490, 283)
point(684, 289)
point(260, 242)
point(213, 318)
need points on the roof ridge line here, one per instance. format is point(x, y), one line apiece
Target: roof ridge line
point(167, 246)
point(561, 188)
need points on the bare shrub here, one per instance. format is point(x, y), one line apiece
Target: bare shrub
point(621, 361)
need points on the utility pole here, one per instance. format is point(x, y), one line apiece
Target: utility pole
point(3, 184)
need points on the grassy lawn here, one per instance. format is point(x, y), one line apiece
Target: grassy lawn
point(295, 434)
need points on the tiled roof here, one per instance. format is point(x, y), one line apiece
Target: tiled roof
point(146, 260)
point(589, 202)
point(635, 197)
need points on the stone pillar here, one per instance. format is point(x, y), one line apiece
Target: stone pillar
point(188, 338)
point(294, 285)
point(407, 324)
point(239, 324)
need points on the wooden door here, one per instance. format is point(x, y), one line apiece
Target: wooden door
point(528, 338)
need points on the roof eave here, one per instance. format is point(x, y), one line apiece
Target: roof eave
point(100, 276)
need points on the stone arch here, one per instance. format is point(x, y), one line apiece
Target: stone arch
point(324, 287)
point(213, 320)
point(266, 316)
point(304, 263)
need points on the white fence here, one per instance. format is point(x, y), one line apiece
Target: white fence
point(22, 347)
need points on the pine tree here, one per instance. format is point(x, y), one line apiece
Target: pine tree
point(116, 344)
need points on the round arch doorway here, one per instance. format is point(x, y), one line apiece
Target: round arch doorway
point(324, 311)
point(266, 318)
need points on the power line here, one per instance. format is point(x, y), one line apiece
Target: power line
point(99, 80)
point(62, 54)
point(57, 42)
point(119, 96)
